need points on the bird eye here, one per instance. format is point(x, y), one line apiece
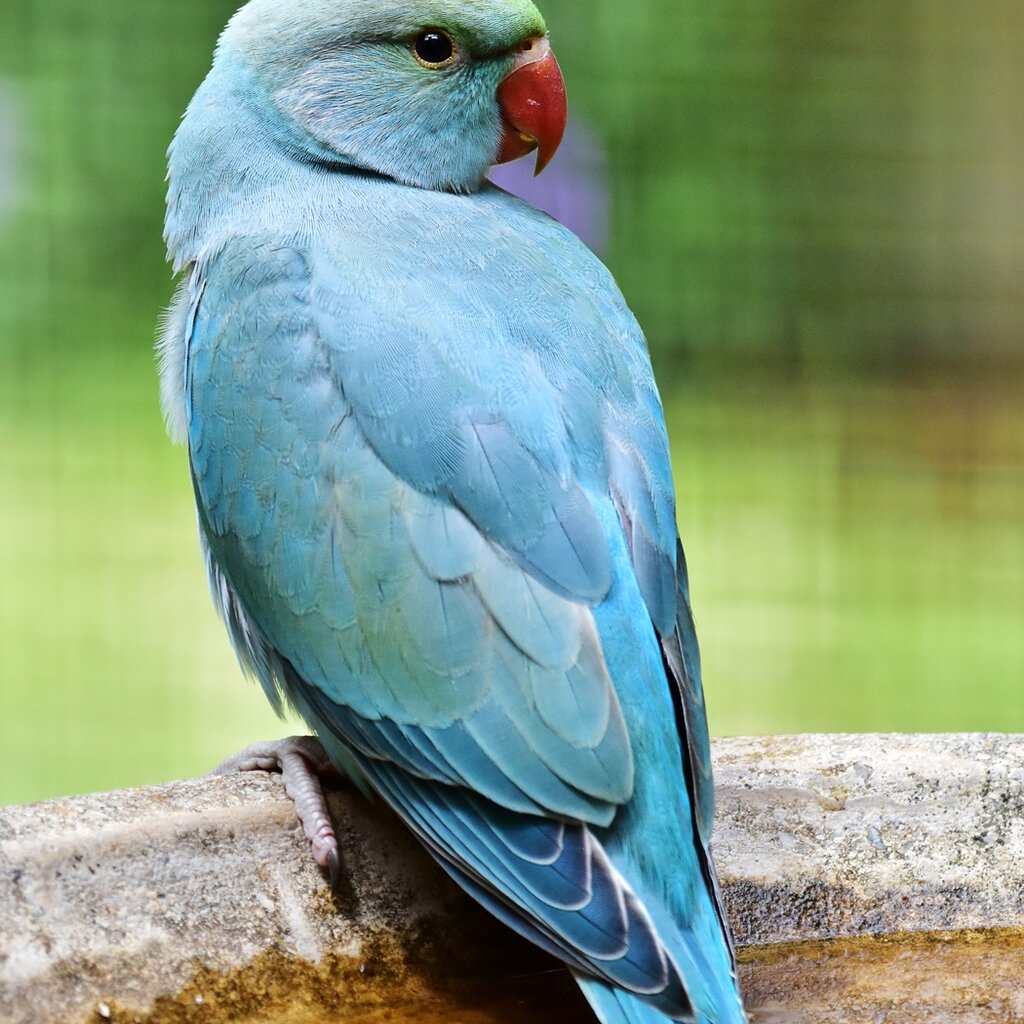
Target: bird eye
point(435, 49)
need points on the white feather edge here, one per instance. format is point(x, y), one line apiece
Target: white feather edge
point(171, 343)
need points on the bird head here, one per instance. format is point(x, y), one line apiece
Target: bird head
point(428, 92)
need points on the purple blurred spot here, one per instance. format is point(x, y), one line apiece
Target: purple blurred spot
point(573, 188)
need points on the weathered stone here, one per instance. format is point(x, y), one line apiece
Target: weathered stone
point(915, 978)
point(198, 901)
point(821, 836)
point(109, 901)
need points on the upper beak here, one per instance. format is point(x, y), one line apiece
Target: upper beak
point(533, 105)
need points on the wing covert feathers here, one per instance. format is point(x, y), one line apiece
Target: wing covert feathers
point(410, 551)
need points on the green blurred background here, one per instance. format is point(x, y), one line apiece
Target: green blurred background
point(817, 212)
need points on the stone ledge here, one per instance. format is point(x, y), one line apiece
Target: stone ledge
point(839, 835)
point(113, 904)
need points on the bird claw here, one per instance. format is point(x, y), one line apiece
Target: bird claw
point(334, 873)
point(301, 760)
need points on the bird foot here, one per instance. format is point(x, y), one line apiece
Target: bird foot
point(302, 761)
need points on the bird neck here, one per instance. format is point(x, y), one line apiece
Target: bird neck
point(236, 161)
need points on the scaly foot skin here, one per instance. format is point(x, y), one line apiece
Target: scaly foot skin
point(301, 760)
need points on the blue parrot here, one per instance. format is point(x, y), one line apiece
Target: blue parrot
point(433, 483)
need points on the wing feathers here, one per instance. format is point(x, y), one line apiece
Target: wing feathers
point(418, 553)
point(576, 900)
point(448, 546)
point(544, 626)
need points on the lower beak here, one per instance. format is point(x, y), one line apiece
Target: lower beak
point(533, 105)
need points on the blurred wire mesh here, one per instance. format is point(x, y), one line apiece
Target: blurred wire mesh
point(817, 213)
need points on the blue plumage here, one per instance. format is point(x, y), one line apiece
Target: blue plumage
point(434, 490)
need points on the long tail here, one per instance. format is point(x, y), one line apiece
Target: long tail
point(616, 1006)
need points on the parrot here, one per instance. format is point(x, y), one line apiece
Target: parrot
point(433, 486)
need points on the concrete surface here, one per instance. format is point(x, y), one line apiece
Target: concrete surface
point(156, 904)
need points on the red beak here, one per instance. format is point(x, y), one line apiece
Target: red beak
point(533, 105)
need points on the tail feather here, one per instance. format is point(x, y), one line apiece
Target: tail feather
point(616, 1006)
